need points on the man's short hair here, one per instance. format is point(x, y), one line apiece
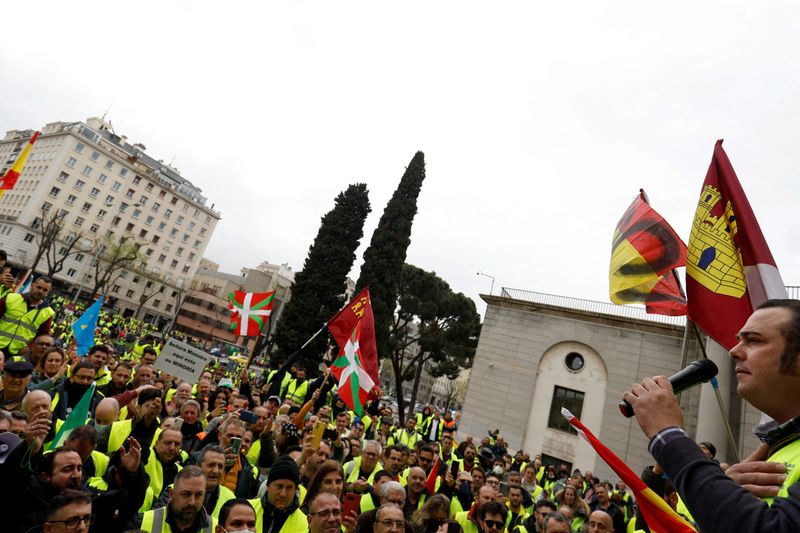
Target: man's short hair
point(85, 432)
point(45, 279)
point(81, 365)
point(225, 510)
point(545, 503)
point(99, 348)
point(17, 415)
point(372, 443)
point(188, 472)
point(316, 496)
point(231, 421)
point(391, 485)
point(558, 517)
point(791, 333)
point(493, 507)
point(68, 497)
point(385, 506)
point(45, 465)
point(124, 364)
point(191, 403)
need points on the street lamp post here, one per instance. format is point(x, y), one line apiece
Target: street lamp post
point(86, 245)
point(180, 284)
point(491, 290)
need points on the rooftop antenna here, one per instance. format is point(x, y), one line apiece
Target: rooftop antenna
point(171, 161)
point(107, 110)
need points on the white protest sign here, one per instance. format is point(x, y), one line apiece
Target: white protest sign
point(182, 360)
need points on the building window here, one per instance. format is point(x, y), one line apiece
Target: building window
point(130, 193)
point(179, 252)
point(149, 221)
point(156, 238)
point(156, 303)
point(168, 213)
point(115, 288)
point(129, 294)
point(101, 214)
point(148, 253)
point(79, 147)
point(572, 400)
point(574, 362)
point(46, 207)
point(196, 213)
point(161, 226)
point(71, 272)
point(174, 200)
point(95, 156)
point(129, 227)
point(109, 200)
point(143, 233)
point(109, 164)
point(95, 191)
point(123, 172)
point(136, 213)
point(208, 219)
point(63, 176)
point(180, 220)
point(87, 170)
point(143, 200)
point(29, 237)
point(71, 162)
point(86, 207)
point(149, 187)
point(173, 232)
point(185, 237)
point(137, 180)
point(155, 207)
point(186, 269)
point(116, 186)
point(94, 228)
point(71, 199)
point(202, 231)
point(79, 184)
point(102, 178)
point(191, 256)
point(191, 225)
point(54, 191)
point(79, 221)
point(174, 263)
point(162, 258)
point(162, 194)
point(185, 208)
point(197, 244)
point(79, 258)
point(168, 308)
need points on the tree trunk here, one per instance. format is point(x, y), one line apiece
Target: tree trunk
point(398, 384)
point(415, 386)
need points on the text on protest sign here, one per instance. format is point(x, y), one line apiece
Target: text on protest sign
point(182, 360)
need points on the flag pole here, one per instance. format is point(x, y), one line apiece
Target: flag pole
point(714, 383)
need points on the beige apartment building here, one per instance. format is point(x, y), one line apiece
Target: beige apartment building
point(106, 190)
point(204, 313)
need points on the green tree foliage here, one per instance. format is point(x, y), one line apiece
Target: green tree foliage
point(318, 290)
point(434, 330)
point(384, 259)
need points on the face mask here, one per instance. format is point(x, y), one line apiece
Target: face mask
point(498, 470)
point(101, 427)
point(239, 530)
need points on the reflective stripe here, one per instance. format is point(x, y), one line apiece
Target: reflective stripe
point(158, 519)
point(18, 323)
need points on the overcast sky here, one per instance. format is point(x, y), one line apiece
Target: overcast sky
point(539, 121)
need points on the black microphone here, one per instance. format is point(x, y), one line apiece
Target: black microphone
point(697, 372)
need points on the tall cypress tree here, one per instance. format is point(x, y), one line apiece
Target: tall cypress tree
point(384, 259)
point(318, 290)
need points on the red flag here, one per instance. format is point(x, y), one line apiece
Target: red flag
point(430, 483)
point(729, 269)
point(341, 327)
point(660, 517)
point(250, 311)
point(644, 252)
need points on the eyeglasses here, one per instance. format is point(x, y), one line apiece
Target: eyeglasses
point(72, 523)
point(327, 513)
point(400, 524)
point(494, 524)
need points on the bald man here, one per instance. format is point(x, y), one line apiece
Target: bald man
point(600, 522)
point(107, 413)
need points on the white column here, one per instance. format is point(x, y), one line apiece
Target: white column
point(710, 426)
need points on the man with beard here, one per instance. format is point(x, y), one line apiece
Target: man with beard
point(118, 382)
point(279, 508)
point(185, 512)
point(68, 391)
point(27, 495)
point(212, 463)
point(99, 355)
point(183, 393)
point(162, 465)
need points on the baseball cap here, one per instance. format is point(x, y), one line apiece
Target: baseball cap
point(19, 365)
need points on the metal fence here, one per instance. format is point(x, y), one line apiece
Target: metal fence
point(628, 311)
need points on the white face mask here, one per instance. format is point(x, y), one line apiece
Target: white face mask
point(239, 530)
point(498, 470)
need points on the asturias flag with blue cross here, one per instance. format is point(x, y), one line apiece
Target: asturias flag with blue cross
point(84, 327)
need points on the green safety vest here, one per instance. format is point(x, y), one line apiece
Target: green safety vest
point(155, 521)
point(295, 522)
point(402, 437)
point(225, 494)
point(790, 456)
point(352, 468)
point(18, 326)
point(120, 431)
point(155, 471)
point(466, 524)
point(254, 451)
point(295, 392)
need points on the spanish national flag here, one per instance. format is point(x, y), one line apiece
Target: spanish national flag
point(660, 517)
point(10, 178)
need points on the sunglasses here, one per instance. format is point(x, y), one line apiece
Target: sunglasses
point(494, 524)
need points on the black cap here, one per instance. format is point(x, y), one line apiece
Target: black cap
point(284, 468)
point(19, 365)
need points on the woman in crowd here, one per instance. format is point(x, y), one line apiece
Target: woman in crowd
point(49, 366)
point(434, 516)
point(569, 497)
point(329, 478)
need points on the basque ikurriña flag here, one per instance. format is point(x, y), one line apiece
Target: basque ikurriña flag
point(729, 270)
point(250, 311)
point(660, 517)
point(644, 252)
point(355, 383)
